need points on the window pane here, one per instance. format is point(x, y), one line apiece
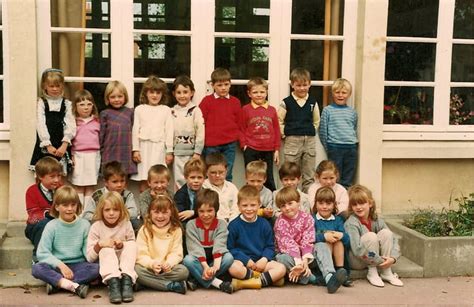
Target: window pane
point(70, 13)
point(464, 19)
point(162, 55)
point(308, 17)
point(310, 55)
point(410, 61)
point(461, 109)
point(408, 105)
point(418, 18)
point(244, 57)
point(240, 91)
point(137, 88)
point(462, 69)
point(1, 52)
point(243, 16)
point(97, 90)
point(82, 54)
point(162, 14)
point(1, 102)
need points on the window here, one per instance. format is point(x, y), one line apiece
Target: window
point(429, 72)
point(3, 107)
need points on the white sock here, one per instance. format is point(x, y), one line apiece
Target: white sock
point(216, 282)
point(68, 284)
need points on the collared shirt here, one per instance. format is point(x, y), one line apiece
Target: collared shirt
point(300, 101)
point(281, 111)
point(217, 96)
point(46, 192)
point(243, 219)
point(319, 217)
point(192, 197)
point(254, 105)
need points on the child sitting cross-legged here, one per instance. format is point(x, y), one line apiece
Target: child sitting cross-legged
point(206, 240)
point(251, 243)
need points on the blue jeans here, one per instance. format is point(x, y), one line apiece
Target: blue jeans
point(84, 272)
point(228, 150)
point(194, 267)
point(323, 257)
point(289, 263)
point(345, 158)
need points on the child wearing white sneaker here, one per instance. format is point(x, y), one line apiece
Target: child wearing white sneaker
point(373, 245)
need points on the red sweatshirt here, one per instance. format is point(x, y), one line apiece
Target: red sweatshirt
point(259, 128)
point(36, 204)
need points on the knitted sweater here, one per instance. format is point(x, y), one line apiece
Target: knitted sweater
point(154, 124)
point(342, 198)
point(338, 126)
point(188, 130)
point(99, 231)
point(63, 242)
point(221, 119)
point(259, 128)
point(295, 237)
point(228, 209)
point(296, 119)
point(37, 205)
point(333, 223)
point(145, 199)
point(87, 135)
point(183, 201)
point(202, 242)
point(128, 199)
point(163, 246)
point(250, 240)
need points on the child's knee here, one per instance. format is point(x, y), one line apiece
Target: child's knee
point(370, 237)
point(385, 234)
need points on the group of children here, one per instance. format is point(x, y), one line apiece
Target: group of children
point(226, 231)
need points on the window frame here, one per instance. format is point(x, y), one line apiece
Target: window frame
point(5, 125)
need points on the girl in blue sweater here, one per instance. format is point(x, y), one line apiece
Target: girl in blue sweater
point(62, 249)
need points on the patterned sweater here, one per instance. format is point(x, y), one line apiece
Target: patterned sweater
point(37, 205)
point(206, 243)
point(188, 130)
point(128, 199)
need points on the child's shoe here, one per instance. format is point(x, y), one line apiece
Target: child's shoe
point(50, 289)
point(226, 287)
point(391, 277)
point(373, 277)
point(192, 284)
point(177, 286)
point(336, 280)
point(82, 290)
point(127, 288)
point(115, 295)
point(348, 283)
point(252, 283)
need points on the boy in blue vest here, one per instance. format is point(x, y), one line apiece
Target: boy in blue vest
point(298, 115)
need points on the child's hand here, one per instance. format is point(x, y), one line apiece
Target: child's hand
point(209, 273)
point(251, 265)
point(329, 236)
point(184, 215)
point(66, 271)
point(389, 261)
point(156, 267)
point(338, 235)
point(136, 157)
point(118, 244)
point(166, 267)
point(267, 212)
point(106, 243)
point(261, 264)
point(61, 150)
point(51, 150)
point(196, 156)
point(296, 272)
point(276, 157)
point(169, 159)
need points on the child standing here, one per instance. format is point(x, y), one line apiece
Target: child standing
point(115, 180)
point(39, 198)
point(338, 132)
point(326, 175)
point(188, 128)
point(55, 126)
point(251, 244)
point(62, 249)
point(152, 135)
point(206, 240)
point(372, 243)
point(255, 175)
point(160, 248)
point(85, 145)
point(111, 240)
point(260, 131)
point(116, 128)
point(331, 239)
point(185, 197)
point(158, 182)
point(299, 120)
point(294, 237)
point(221, 113)
point(216, 174)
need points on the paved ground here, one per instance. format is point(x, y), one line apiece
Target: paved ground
point(455, 291)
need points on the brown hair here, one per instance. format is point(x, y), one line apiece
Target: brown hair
point(285, 195)
point(111, 86)
point(47, 165)
point(65, 195)
point(159, 170)
point(289, 169)
point(51, 75)
point(359, 194)
point(220, 75)
point(194, 165)
point(162, 203)
point(256, 81)
point(113, 168)
point(207, 197)
point(248, 192)
point(327, 165)
point(215, 158)
point(116, 200)
point(82, 95)
point(326, 195)
point(300, 74)
point(153, 83)
point(257, 167)
point(184, 81)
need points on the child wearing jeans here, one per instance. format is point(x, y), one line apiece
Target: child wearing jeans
point(294, 237)
point(206, 239)
point(373, 245)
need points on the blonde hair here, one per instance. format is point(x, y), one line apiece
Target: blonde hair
point(325, 166)
point(83, 95)
point(116, 200)
point(257, 81)
point(257, 167)
point(51, 76)
point(162, 203)
point(248, 192)
point(285, 195)
point(194, 165)
point(159, 170)
point(300, 74)
point(326, 195)
point(359, 194)
point(341, 83)
point(111, 86)
point(153, 83)
point(47, 165)
point(65, 195)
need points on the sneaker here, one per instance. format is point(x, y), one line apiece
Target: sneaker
point(50, 289)
point(391, 278)
point(374, 278)
point(341, 275)
point(81, 291)
point(226, 286)
point(334, 282)
point(348, 283)
point(177, 286)
point(191, 284)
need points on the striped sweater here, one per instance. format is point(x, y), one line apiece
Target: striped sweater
point(338, 126)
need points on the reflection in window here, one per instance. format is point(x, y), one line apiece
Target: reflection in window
point(97, 90)
point(163, 55)
point(410, 61)
point(308, 17)
point(461, 106)
point(464, 19)
point(243, 16)
point(70, 13)
point(418, 18)
point(462, 69)
point(162, 14)
point(240, 91)
point(408, 105)
point(244, 57)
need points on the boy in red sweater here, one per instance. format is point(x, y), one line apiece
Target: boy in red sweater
point(39, 198)
point(221, 113)
point(259, 127)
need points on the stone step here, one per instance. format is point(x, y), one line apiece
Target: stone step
point(15, 252)
point(405, 268)
point(18, 278)
point(16, 229)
